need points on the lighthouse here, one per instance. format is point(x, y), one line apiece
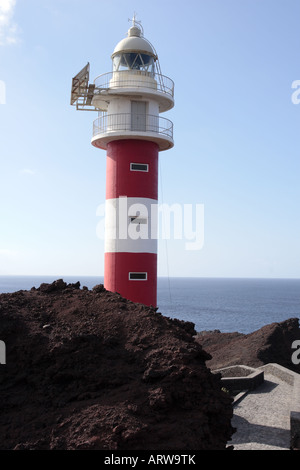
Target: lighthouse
point(130, 100)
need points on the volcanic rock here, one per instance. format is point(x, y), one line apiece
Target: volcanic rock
point(271, 343)
point(87, 369)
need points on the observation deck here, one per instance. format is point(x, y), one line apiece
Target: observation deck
point(109, 127)
point(133, 83)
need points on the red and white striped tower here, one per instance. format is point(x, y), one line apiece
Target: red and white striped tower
point(129, 127)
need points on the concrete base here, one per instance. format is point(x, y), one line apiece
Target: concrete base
point(240, 378)
point(293, 379)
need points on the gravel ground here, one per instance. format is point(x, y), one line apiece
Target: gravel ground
point(262, 417)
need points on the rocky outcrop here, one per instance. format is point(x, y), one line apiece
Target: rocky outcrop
point(87, 369)
point(271, 343)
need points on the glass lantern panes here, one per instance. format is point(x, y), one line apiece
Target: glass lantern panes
point(133, 61)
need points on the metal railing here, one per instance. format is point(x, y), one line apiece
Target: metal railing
point(137, 123)
point(135, 79)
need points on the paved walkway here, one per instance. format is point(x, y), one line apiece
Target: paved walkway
point(262, 417)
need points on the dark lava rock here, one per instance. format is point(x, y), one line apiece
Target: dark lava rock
point(87, 369)
point(271, 343)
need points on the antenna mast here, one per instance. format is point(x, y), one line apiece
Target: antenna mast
point(137, 23)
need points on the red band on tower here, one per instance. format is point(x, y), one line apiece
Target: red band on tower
point(121, 180)
point(118, 266)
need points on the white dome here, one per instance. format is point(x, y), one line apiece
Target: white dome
point(134, 43)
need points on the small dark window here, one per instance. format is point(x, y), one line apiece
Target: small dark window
point(139, 167)
point(138, 276)
point(137, 220)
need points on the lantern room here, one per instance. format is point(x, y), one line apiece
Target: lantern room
point(134, 53)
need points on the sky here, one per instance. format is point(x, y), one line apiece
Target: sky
point(236, 132)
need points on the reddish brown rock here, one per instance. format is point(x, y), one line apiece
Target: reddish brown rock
point(87, 369)
point(271, 343)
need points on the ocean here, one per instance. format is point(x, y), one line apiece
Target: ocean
point(224, 304)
